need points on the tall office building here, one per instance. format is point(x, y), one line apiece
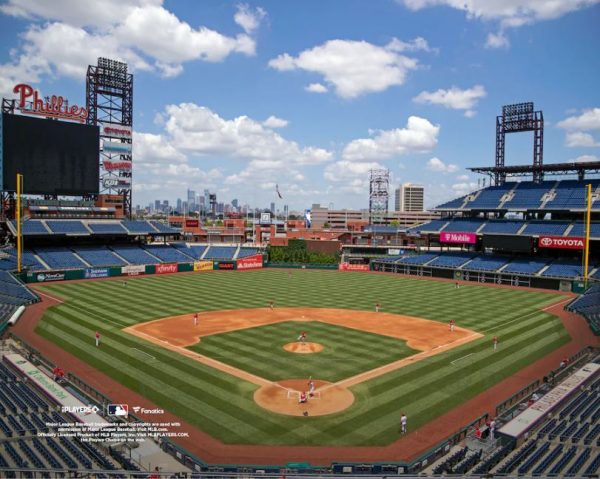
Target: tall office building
point(409, 198)
point(273, 207)
point(191, 199)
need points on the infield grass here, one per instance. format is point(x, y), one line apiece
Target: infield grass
point(223, 405)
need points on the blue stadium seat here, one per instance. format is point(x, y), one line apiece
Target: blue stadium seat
point(486, 263)
point(502, 227)
point(107, 227)
point(419, 259)
point(134, 255)
point(432, 227)
point(556, 228)
point(528, 195)
point(60, 258)
point(138, 227)
point(164, 228)
point(452, 260)
point(489, 198)
point(579, 230)
point(67, 227)
point(168, 254)
point(525, 265)
point(32, 228)
point(564, 269)
point(220, 252)
point(464, 225)
point(244, 252)
point(99, 256)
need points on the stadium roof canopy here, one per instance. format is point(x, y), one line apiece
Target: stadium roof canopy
point(580, 168)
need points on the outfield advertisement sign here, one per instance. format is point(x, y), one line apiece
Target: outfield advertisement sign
point(353, 267)
point(192, 223)
point(250, 262)
point(116, 147)
point(227, 265)
point(133, 269)
point(96, 273)
point(54, 276)
point(468, 238)
point(165, 268)
point(560, 242)
point(203, 265)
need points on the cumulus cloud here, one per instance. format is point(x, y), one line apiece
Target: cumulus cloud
point(249, 19)
point(588, 120)
point(316, 88)
point(575, 139)
point(510, 13)
point(585, 159)
point(351, 176)
point(274, 122)
point(354, 68)
point(419, 135)
point(463, 188)
point(454, 98)
point(199, 130)
point(437, 165)
point(497, 40)
point(140, 32)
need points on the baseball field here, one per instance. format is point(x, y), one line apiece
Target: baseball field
point(237, 375)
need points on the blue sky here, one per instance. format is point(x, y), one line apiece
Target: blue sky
point(310, 95)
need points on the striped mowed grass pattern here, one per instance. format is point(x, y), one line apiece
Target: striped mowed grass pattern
point(223, 406)
point(346, 351)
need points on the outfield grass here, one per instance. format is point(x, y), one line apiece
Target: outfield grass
point(346, 352)
point(222, 405)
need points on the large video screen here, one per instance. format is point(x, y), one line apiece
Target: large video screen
point(508, 243)
point(54, 157)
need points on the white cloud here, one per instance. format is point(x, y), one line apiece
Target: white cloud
point(497, 40)
point(354, 68)
point(140, 32)
point(75, 12)
point(588, 120)
point(454, 98)
point(198, 130)
point(576, 139)
point(464, 188)
point(274, 122)
point(462, 178)
point(353, 175)
point(510, 13)
point(155, 149)
point(585, 159)
point(420, 135)
point(249, 19)
point(437, 165)
point(316, 88)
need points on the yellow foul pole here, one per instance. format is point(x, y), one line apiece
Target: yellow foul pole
point(587, 234)
point(19, 236)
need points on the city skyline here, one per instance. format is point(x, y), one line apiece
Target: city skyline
point(263, 99)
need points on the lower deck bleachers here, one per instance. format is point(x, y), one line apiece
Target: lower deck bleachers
point(135, 255)
point(486, 263)
point(99, 256)
point(60, 258)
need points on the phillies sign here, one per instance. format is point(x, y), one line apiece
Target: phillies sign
point(559, 242)
point(470, 238)
point(30, 102)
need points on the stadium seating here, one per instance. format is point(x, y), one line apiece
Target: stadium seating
point(464, 225)
point(168, 254)
point(8, 260)
point(525, 266)
point(452, 260)
point(247, 252)
point(59, 258)
point(33, 227)
point(528, 195)
point(572, 194)
point(135, 255)
point(578, 229)
point(220, 252)
point(502, 227)
point(489, 198)
point(194, 251)
point(12, 287)
point(138, 227)
point(99, 256)
point(67, 227)
point(431, 227)
point(163, 228)
point(107, 227)
point(556, 228)
point(453, 204)
point(420, 259)
point(486, 263)
point(564, 269)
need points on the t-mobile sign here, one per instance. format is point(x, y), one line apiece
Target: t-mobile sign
point(470, 238)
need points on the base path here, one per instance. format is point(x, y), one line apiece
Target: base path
point(407, 448)
point(303, 348)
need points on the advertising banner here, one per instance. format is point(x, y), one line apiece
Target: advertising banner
point(192, 223)
point(133, 269)
point(96, 273)
point(54, 276)
point(560, 242)
point(117, 147)
point(250, 262)
point(224, 265)
point(114, 130)
point(116, 165)
point(354, 267)
point(165, 268)
point(469, 238)
point(203, 265)
point(122, 184)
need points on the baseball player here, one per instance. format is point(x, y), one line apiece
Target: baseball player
point(451, 325)
point(271, 305)
point(302, 337)
point(195, 319)
point(403, 421)
point(377, 306)
point(97, 338)
point(311, 388)
point(495, 342)
point(302, 398)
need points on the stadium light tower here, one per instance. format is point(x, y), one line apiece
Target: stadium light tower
point(379, 194)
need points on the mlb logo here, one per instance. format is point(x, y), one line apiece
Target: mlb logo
point(118, 410)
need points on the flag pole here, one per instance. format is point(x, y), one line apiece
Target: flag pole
point(587, 234)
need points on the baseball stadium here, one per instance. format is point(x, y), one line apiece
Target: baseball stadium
point(466, 345)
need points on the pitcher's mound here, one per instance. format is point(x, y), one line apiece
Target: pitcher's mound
point(303, 348)
point(282, 397)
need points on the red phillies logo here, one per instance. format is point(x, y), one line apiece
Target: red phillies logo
point(54, 106)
